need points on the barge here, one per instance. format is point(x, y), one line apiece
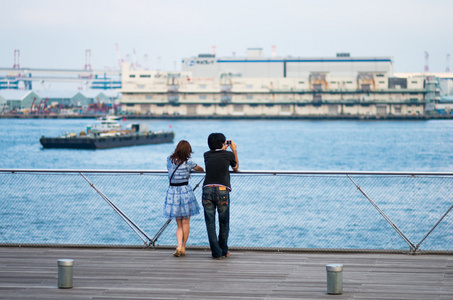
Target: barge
point(108, 134)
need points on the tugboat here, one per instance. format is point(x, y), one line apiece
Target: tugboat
point(108, 133)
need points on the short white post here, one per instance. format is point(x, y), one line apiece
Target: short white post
point(334, 279)
point(65, 273)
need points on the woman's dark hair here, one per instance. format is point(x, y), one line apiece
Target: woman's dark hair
point(216, 141)
point(182, 152)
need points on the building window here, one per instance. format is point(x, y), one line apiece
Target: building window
point(132, 76)
point(145, 76)
point(286, 108)
point(249, 86)
point(202, 97)
point(397, 83)
point(191, 110)
point(366, 87)
point(149, 97)
point(140, 86)
point(249, 97)
point(202, 86)
point(238, 108)
point(317, 87)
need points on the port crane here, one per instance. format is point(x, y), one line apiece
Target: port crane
point(120, 61)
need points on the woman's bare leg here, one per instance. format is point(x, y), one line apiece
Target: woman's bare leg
point(186, 231)
point(179, 232)
point(179, 237)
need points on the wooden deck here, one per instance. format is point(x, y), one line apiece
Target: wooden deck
point(31, 273)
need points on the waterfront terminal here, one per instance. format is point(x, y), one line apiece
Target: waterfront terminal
point(253, 86)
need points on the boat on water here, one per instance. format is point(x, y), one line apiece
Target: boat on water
point(108, 133)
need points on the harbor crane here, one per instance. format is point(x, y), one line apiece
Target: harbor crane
point(426, 62)
point(16, 59)
point(120, 61)
point(447, 68)
point(32, 104)
point(44, 105)
point(88, 59)
point(137, 66)
point(145, 62)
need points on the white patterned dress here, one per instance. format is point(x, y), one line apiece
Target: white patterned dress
point(180, 201)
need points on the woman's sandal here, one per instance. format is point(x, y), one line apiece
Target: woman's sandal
point(177, 253)
point(183, 251)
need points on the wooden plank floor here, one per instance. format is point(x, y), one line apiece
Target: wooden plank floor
point(31, 273)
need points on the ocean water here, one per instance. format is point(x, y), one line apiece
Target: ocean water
point(266, 211)
point(262, 145)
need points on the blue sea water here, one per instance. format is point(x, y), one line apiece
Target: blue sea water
point(262, 145)
point(267, 211)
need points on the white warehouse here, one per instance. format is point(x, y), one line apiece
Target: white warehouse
point(254, 86)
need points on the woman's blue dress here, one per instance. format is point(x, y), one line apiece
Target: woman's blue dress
point(180, 201)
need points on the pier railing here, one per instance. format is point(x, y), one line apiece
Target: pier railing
point(273, 210)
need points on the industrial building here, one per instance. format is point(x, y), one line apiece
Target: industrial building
point(276, 86)
point(3, 105)
point(79, 99)
point(17, 100)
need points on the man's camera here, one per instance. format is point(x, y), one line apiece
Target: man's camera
point(228, 142)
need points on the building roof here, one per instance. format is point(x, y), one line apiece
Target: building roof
point(15, 94)
point(426, 74)
point(91, 93)
point(51, 94)
point(112, 93)
point(447, 99)
point(96, 93)
point(11, 94)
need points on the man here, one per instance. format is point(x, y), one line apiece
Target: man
point(216, 191)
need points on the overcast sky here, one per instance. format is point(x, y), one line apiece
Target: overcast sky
point(56, 33)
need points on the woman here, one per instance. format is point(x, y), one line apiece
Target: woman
point(180, 202)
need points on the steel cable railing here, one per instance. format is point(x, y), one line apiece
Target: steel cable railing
point(386, 211)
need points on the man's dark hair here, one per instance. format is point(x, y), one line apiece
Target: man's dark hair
point(216, 141)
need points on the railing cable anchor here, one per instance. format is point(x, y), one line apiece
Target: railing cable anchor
point(411, 245)
point(128, 221)
point(432, 229)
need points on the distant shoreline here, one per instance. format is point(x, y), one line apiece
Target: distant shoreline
point(214, 117)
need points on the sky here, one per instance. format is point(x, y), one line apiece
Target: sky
point(57, 33)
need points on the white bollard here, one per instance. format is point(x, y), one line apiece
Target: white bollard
point(334, 279)
point(65, 273)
